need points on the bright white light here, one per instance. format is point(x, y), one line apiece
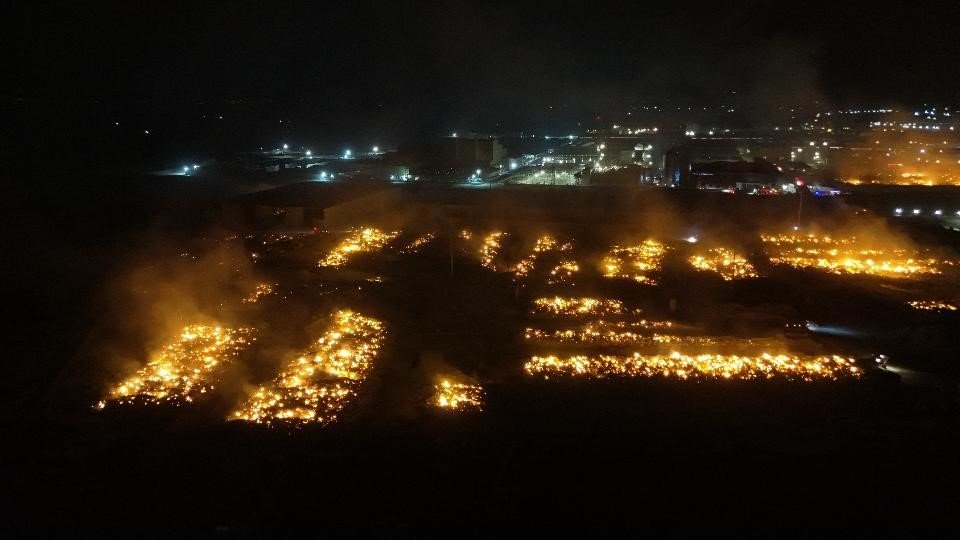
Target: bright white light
point(186, 169)
point(195, 166)
point(938, 212)
point(478, 172)
point(454, 134)
point(692, 239)
point(376, 149)
point(513, 165)
point(286, 146)
point(916, 211)
point(570, 137)
point(898, 211)
point(309, 153)
point(796, 227)
point(347, 153)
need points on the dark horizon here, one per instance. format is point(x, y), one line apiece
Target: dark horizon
point(425, 66)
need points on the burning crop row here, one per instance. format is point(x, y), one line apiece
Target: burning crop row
point(847, 256)
point(261, 290)
point(727, 263)
point(702, 366)
point(563, 273)
point(366, 240)
point(578, 307)
point(932, 305)
point(595, 334)
point(544, 244)
point(490, 249)
point(635, 262)
point(183, 369)
point(418, 242)
point(317, 385)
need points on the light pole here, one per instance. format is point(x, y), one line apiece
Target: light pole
point(800, 204)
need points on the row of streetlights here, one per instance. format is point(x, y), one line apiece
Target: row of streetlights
point(347, 154)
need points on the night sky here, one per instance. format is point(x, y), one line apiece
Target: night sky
point(426, 65)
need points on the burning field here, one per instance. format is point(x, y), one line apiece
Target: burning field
point(574, 307)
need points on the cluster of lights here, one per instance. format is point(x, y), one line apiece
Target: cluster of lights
point(845, 256)
point(316, 386)
point(563, 273)
point(544, 243)
point(578, 307)
point(457, 396)
point(932, 305)
point(363, 240)
point(701, 366)
point(726, 262)
point(634, 262)
point(261, 290)
point(183, 369)
point(916, 211)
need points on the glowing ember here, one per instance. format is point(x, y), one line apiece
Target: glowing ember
point(544, 243)
point(184, 368)
point(490, 249)
point(457, 396)
point(578, 306)
point(563, 273)
point(364, 240)
point(418, 242)
point(465, 234)
point(726, 262)
point(316, 386)
point(932, 305)
point(634, 262)
point(846, 256)
point(703, 366)
point(262, 289)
